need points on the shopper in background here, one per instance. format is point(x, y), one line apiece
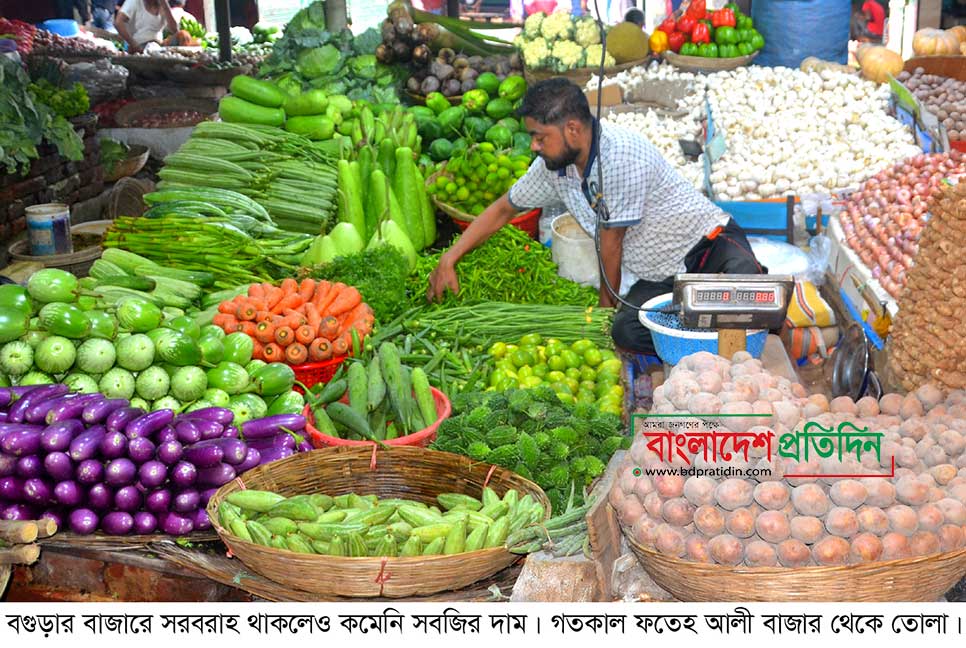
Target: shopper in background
point(140, 22)
point(868, 21)
point(635, 16)
point(537, 6)
point(103, 14)
point(65, 9)
point(432, 6)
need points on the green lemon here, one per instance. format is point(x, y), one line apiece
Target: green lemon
point(573, 374)
point(581, 346)
point(573, 384)
point(530, 382)
point(616, 390)
point(556, 362)
point(522, 358)
point(498, 350)
point(556, 376)
point(541, 369)
point(588, 385)
point(593, 357)
point(588, 373)
point(586, 397)
point(572, 359)
point(524, 372)
point(561, 387)
point(531, 339)
point(565, 398)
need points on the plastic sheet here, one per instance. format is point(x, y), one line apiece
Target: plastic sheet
point(103, 80)
point(796, 29)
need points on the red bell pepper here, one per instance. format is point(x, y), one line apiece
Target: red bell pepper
point(698, 9)
point(676, 40)
point(686, 24)
point(668, 26)
point(723, 18)
point(700, 34)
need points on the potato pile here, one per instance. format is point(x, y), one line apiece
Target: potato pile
point(796, 522)
point(943, 96)
point(926, 343)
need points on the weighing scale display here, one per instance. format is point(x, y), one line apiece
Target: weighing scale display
point(732, 301)
point(735, 297)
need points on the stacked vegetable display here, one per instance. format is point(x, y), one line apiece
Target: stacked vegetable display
point(91, 462)
point(560, 42)
point(357, 526)
point(471, 181)
point(722, 33)
point(944, 96)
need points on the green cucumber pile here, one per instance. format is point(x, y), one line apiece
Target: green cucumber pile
point(358, 526)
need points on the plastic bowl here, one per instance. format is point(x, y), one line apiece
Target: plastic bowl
point(528, 222)
point(61, 26)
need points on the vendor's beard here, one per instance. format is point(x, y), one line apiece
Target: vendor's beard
point(556, 164)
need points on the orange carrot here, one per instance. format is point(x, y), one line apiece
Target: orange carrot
point(321, 290)
point(263, 316)
point(320, 350)
point(265, 332)
point(284, 336)
point(248, 328)
point(305, 334)
point(273, 353)
point(273, 295)
point(293, 300)
point(296, 316)
point(246, 312)
point(256, 291)
point(334, 293)
point(296, 353)
point(307, 289)
point(340, 346)
point(312, 316)
point(346, 301)
point(329, 328)
point(289, 286)
point(227, 307)
point(224, 321)
point(258, 350)
point(351, 316)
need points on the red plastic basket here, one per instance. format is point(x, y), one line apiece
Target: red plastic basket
point(528, 222)
point(313, 373)
point(959, 145)
point(421, 439)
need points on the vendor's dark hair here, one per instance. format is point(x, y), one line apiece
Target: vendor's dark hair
point(635, 16)
point(553, 101)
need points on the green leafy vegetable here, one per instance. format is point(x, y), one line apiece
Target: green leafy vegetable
point(379, 274)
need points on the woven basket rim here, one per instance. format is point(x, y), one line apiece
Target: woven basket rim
point(699, 63)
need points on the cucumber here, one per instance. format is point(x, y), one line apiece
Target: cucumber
point(376, 387)
point(358, 389)
point(332, 392)
point(351, 419)
point(323, 423)
point(127, 281)
point(400, 395)
point(424, 397)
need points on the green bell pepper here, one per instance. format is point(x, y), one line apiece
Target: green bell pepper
point(728, 51)
point(757, 40)
point(744, 22)
point(689, 49)
point(742, 36)
point(273, 379)
point(744, 49)
point(735, 8)
point(712, 51)
point(725, 36)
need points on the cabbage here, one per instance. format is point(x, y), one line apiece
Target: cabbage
point(318, 61)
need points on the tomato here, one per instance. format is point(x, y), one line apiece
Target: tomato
point(586, 397)
point(616, 410)
point(588, 373)
point(508, 384)
point(554, 348)
point(588, 385)
point(607, 354)
point(541, 369)
point(531, 339)
point(522, 358)
point(616, 390)
point(573, 374)
point(593, 357)
point(530, 382)
point(612, 365)
point(609, 400)
point(497, 377)
point(556, 363)
point(603, 388)
point(561, 388)
point(556, 376)
point(524, 372)
point(565, 398)
point(498, 350)
point(572, 359)
point(573, 385)
point(582, 346)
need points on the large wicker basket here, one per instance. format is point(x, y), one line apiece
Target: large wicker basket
point(580, 76)
point(412, 473)
point(924, 578)
point(701, 64)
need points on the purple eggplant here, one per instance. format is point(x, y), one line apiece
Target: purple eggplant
point(30, 466)
point(98, 411)
point(206, 496)
point(187, 432)
point(261, 444)
point(209, 429)
point(177, 525)
point(37, 413)
point(304, 446)
point(234, 450)
point(149, 424)
point(120, 472)
point(183, 474)
point(167, 434)
point(274, 454)
point(119, 418)
point(8, 465)
point(200, 520)
point(205, 454)
point(217, 414)
point(169, 452)
point(18, 512)
point(85, 445)
point(9, 395)
point(216, 475)
point(90, 471)
point(128, 499)
point(231, 432)
point(100, 497)
point(57, 437)
point(38, 491)
point(68, 493)
point(83, 521)
point(71, 407)
point(186, 501)
point(53, 514)
point(25, 441)
point(59, 466)
point(284, 441)
point(145, 523)
point(11, 489)
point(158, 501)
point(3, 417)
point(252, 459)
point(152, 474)
point(19, 409)
point(140, 449)
point(113, 445)
point(117, 523)
point(272, 425)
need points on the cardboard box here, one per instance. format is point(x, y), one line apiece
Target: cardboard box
point(611, 95)
point(930, 13)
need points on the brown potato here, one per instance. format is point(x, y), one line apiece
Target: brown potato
point(696, 548)
point(726, 549)
point(867, 407)
point(645, 531)
point(806, 528)
point(895, 546)
point(843, 405)
point(630, 511)
point(643, 487)
point(935, 456)
point(911, 491)
point(865, 548)
point(709, 520)
point(678, 512)
point(951, 537)
point(772, 526)
point(911, 406)
point(952, 442)
point(890, 404)
point(669, 540)
point(810, 499)
point(772, 495)
point(704, 403)
point(740, 523)
point(943, 473)
point(953, 510)
point(734, 493)
point(669, 486)
point(915, 429)
point(831, 551)
point(873, 519)
point(760, 554)
point(929, 395)
point(653, 504)
point(842, 522)
point(902, 519)
point(924, 543)
point(849, 493)
point(793, 553)
point(930, 517)
point(700, 490)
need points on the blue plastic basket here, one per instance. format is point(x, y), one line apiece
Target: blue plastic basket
point(673, 342)
point(61, 26)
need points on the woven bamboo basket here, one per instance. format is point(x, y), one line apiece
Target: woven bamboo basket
point(701, 64)
point(924, 578)
point(403, 472)
point(580, 76)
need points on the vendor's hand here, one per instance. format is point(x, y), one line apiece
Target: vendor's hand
point(443, 278)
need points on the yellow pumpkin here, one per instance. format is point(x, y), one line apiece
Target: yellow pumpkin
point(959, 31)
point(935, 42)
point(878, 63)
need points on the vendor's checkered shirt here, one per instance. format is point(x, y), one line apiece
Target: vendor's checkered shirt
point(664, 214)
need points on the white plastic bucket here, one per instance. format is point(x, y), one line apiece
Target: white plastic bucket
point(573, 251)
point(48, 227)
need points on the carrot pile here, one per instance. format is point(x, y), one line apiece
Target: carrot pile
point(297, 322)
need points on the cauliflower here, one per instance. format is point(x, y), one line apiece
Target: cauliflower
point(587, 32)
point(536, 53)
point(569, 55)
point(531, 26)
point(593, 57)
point(557, 26)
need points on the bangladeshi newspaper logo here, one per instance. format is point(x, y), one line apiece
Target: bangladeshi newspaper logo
point(696, 443)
